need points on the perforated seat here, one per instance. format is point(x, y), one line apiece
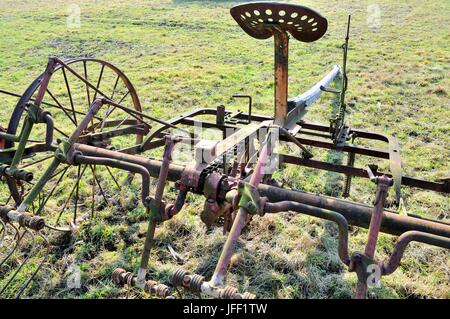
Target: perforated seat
point(258, 19)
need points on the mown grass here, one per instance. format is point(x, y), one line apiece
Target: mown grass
point(186, 54)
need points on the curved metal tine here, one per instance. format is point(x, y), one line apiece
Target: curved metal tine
point(44, 259)
point(23, 165)
point(19, 238)
point(2, 231)
point(113, 177)
point(24, 262)
point(8, 200)
point(93, 167)
point(79, 175)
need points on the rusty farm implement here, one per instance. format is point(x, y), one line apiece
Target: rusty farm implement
point(81, 121)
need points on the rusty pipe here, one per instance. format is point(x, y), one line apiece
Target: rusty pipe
point(48, 120)
point(320, 213)
point(153, 166)
point(355, 213)
point(134, 168)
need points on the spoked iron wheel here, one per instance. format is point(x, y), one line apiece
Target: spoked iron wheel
point(75, 191)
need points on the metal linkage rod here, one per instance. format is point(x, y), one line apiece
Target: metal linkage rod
point(390, 265)
point(241, 218)
point(130, 167)
point(340, 221)
point(383, 184)
point(156, 206)
point(355, 213)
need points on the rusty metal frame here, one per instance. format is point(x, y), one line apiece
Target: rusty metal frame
point(240, 192)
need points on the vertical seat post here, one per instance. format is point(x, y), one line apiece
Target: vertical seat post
point(263, 20)
point(281, 74)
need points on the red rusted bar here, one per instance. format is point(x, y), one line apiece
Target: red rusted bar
point(383, 184)
point(239, 222)
point(153, 166)
point(155, 207)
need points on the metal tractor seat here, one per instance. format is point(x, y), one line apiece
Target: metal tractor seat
point(261, 20)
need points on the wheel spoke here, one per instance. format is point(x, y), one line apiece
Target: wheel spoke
point(123, 121)
point(36, 162)
point(115, 86)
point(98, 82)
point(61, 132)
point(70, 95)
point(64, 108)
point(81, 78)
point(8, 200)
point(113, 178)
point(60, 106)
point(87, 87)
point(76, 196)
point(41, 207)
point(108, 112)
point(98, 183)
point(123, 98)
point(70, 196)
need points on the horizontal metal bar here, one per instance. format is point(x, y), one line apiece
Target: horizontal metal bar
point(301, 103)
point(362, 150)
point(355, 213)
point(359, 172)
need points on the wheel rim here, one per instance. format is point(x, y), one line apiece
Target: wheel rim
point(68, 99)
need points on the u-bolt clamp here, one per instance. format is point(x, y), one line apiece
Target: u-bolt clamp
point(249, 199)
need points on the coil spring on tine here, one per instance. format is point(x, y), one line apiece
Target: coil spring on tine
point(117, 275)
point(196, 282)
point(122, 277)
point(149, 284)
point(128, 278)
point(154, 288)
point(178, 277)
point(230, 293)
point(36, 223)
point(248, 295)
point(161, 291)
point(32, 222)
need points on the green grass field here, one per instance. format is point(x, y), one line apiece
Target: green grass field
point(182, 55)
